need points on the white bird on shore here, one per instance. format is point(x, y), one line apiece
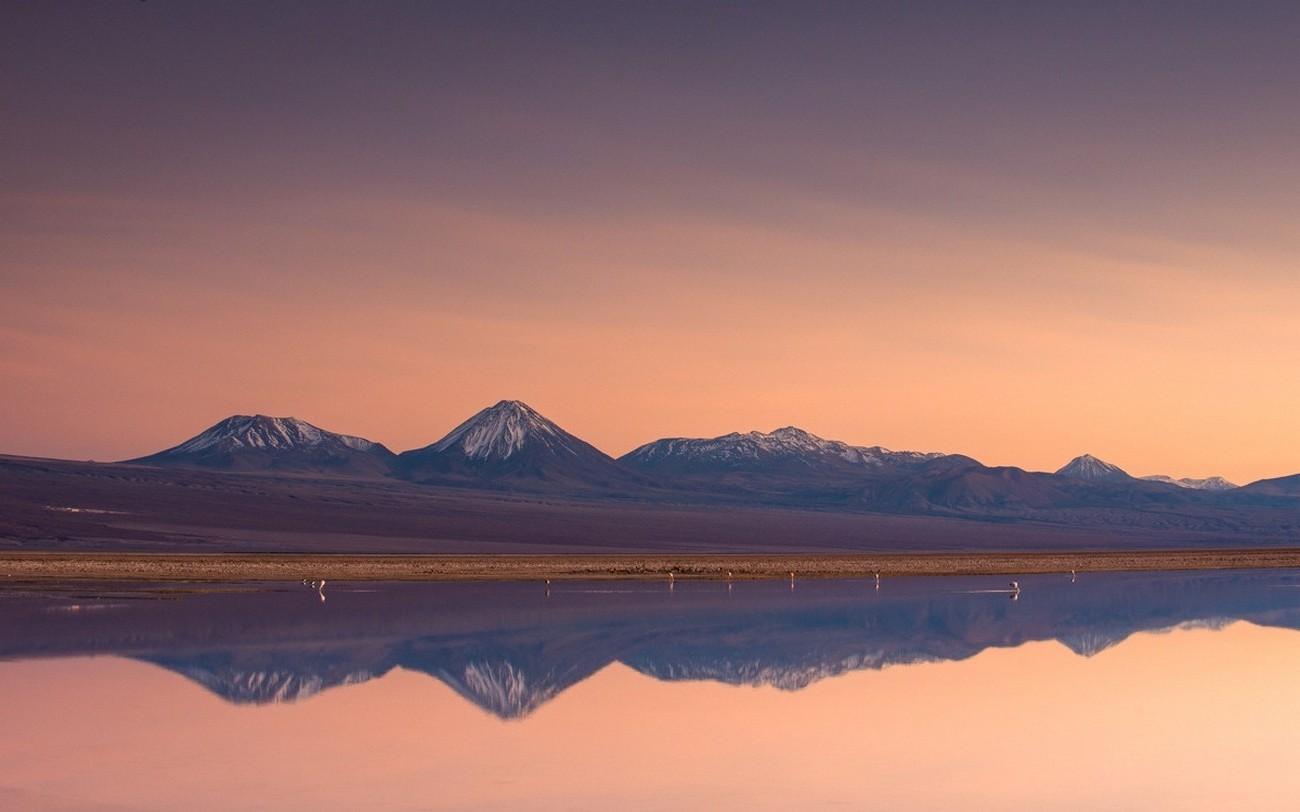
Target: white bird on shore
point(320, 590)
point(1073, 576)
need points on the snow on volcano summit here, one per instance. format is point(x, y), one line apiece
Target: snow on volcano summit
point(511, 441)
point(1088, 467)
point(500, 431)
point(260, 431)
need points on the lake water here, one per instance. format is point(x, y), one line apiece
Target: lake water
point(1124, 691)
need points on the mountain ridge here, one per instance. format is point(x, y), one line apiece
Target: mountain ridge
point(511, 446)
point(784, 446)
point(261, 442)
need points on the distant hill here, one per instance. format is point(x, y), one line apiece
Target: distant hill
point(1280, 486)
point(261, 443)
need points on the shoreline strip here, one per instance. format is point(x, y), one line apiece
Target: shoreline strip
point(349, 567)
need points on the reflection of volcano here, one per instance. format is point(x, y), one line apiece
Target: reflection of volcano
point(231, 679)
point(507, 674)
point(1090, 643)
point(509, 649)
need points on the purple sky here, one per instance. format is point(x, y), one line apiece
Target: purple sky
point(1017, 231)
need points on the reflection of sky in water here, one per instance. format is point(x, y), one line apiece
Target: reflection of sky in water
point(1138, 720)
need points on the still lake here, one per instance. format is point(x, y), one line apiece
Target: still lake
point(1115, 691)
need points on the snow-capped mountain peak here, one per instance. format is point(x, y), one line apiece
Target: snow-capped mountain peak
point(1086, 466)
point(259, 442)
point(510, 444)
point(499, 431)
point(259, 431)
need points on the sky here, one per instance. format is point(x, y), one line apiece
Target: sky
point(1019, 231)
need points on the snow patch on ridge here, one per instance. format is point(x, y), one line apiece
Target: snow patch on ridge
point(783, 442)
point(262, 432)
point(1213, 483)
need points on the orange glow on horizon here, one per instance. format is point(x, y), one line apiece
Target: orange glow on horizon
point(868, 329)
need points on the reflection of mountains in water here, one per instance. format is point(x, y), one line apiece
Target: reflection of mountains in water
point(509, 648)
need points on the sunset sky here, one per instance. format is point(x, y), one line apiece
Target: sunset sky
point(1016, 231)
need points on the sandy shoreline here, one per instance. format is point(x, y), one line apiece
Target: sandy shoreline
point(279, 567)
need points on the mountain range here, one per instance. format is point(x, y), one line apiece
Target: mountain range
point(511, 446)
point(510, 480)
